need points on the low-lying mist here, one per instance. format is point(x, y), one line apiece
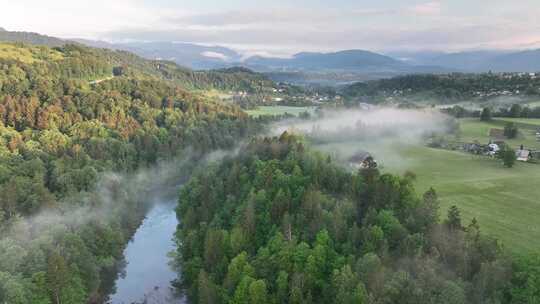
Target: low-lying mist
point(382, 131)
point(111, 196)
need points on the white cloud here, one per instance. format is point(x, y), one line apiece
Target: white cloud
point(70, 18)
point(215, 55)
point(262, 29)
point(429, 8)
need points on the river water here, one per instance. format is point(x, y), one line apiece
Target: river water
point(147, 276)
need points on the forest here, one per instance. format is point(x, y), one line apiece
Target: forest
point(446, 88)
point(281, 223)
point(62, 132)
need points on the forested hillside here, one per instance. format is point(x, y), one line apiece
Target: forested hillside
point(283, 224)
point(64, 121)
point(32, 38)
point(446, 88)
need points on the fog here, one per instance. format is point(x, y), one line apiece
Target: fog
point(382, 131)
point(114, 195)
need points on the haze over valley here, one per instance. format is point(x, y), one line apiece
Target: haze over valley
point(295, 152)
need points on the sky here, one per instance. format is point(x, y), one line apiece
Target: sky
point(281, 28)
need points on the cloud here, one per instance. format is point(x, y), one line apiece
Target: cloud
point(215, 55)
point(295, 16)
point(265, 28)
point(382, 131)
point(290, 39)
point(429, 8)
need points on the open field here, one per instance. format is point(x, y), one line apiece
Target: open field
point(213, 93)
point(526, 122)
point(533, 104)
point(505, 201)
point(474, 129)
point(279, 110)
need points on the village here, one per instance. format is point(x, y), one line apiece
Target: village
point(496, 143)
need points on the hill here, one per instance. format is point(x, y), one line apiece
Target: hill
point(445, 88)
point(30, 38)
point(526, 61)
point(477, 61)
point(190, 55)
point(351, 60)
point(68, 116)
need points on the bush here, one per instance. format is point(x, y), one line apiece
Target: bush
point(509, 158)
point(486, 114)
point(511, 130)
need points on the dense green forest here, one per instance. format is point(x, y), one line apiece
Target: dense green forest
point(64, 122)
point(282, 224)
point(446, 87)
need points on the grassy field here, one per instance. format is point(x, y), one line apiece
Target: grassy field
point(505, 201)
point(279, 110)
point(526, 122)
point(474, 129)
point(213, 93)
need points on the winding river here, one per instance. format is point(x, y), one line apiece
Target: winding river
point(147, 276)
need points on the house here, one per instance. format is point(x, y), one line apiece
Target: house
point(523, 155)
point(492, 149)
point(362, 160)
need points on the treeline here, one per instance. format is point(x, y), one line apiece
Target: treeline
point(514, 111)
point(282, 224)
point(446, 88)
point(58, 134)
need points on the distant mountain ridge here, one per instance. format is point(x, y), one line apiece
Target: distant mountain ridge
point(358, 60)
point(477, 61)
point(357, 64)
point(525, 61)
point(186, 54)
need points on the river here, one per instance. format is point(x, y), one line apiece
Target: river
point(147, 276)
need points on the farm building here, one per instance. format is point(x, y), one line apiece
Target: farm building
point(362, 160)
point(492, 149)
point(496, 134)
point(523, 155)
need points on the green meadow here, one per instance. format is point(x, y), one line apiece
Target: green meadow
point(279, 110)
point(504, 201)
point(474, 129)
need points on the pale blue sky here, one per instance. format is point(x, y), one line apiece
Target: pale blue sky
point(283, 27)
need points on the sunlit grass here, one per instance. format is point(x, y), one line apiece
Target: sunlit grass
point(28, 54)
point(279, 110)
point(504, 201)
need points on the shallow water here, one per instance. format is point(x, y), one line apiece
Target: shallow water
point(147, 276)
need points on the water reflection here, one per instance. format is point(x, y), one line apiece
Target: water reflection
point(147, 276)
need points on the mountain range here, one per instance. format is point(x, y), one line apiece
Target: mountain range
point(476, 61)
point(356, 64)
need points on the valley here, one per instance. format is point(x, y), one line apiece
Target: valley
point(127, 178)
